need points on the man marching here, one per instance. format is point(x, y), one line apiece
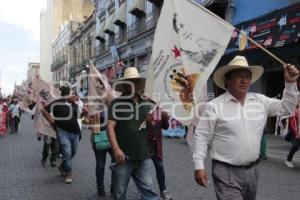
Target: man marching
point(232, 124)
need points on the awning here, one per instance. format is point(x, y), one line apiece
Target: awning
point(120, 19)
point(109, 27)
point(138, 8)
point(100, 35)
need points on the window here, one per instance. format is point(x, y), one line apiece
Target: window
point(131, 19)
point(149, 8)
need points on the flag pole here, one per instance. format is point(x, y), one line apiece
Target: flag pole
point(262, 48)
point(250, 39)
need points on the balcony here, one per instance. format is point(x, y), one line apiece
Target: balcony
point(58, 63)
point(152, 19)
point(76, 69)
point(100, 50)
point(135, 29)
point(121, 38)
point(139, 27)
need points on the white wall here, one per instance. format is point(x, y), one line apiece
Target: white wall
point(45, 45)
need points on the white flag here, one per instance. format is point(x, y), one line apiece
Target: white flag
point(188, 44)
point(28, 89)
point(100, 92)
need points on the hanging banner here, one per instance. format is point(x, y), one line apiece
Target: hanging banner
point(275, 29)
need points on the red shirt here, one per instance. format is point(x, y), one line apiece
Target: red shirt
point(293, 123)
point(154, 131)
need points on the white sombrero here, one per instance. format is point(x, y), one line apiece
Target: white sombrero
point(130, 73)
point(238, 62)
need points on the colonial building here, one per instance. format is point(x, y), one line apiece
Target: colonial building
point(82, 51)
point(125, 31)
point(56, 15)
point(61, 54)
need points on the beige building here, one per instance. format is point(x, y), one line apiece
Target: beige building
point(65, 10)
point(53, 19)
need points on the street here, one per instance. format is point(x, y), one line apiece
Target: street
point(23, 177)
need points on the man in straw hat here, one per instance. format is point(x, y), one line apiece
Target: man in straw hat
point(233, 124)
point(125, 116)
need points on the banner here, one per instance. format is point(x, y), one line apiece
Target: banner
point(28, 89)
point(188, 43)
point(45, 94)
point(100, 92)
point(175, 129)
point(275, 29)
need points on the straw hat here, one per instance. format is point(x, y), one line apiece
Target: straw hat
point(238, 62)
point(130, 74)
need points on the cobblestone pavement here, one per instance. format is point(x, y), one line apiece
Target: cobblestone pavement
point(22, 176)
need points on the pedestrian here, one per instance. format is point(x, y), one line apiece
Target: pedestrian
point(232, 125)
point(294, 137)
point(159, 120)
point(100, 150)
point(129, 142)
point(3, 117)
point(64, 121)
point(14, 113)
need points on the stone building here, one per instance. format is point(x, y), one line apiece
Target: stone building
point(61, 54)
point(82, 51)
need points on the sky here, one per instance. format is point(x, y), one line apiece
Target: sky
point(19, 39)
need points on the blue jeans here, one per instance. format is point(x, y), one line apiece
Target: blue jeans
point(140, 171)
point(100, 165)
point(68, 143)
point(160, 172)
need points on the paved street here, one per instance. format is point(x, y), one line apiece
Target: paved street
point(23, 177)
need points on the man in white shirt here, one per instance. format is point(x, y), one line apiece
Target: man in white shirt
point(232, 125)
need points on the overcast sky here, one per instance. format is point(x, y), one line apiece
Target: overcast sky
point(19, 39)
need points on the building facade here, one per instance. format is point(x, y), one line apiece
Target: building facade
point(82, 52)
point(61, 54)
point(65, 10)
point(56, 15)
point(125, 32)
